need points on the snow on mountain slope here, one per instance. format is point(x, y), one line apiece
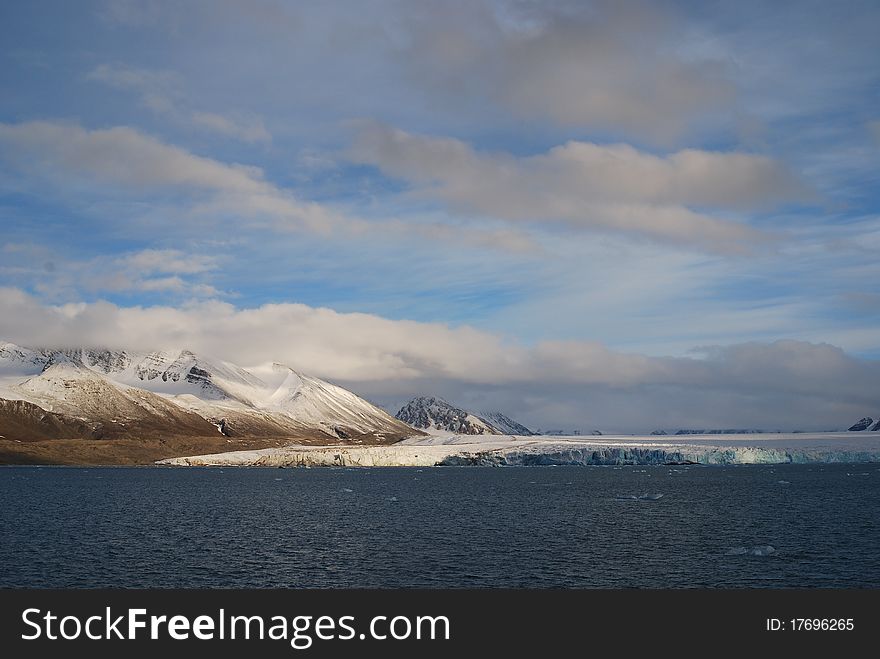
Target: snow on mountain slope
point(17, 360)
point(16, 364)
point(321, 404)
point(435, 413)
point(68, 388)
point(505, 424)
point(173, 372)
point(202, 394)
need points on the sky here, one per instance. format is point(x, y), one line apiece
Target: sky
point(588, 215)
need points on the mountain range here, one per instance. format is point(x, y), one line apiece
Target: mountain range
point(161, 397)
point(100, 406)
point(429, 413)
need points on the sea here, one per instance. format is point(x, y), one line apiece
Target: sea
point(744, 526)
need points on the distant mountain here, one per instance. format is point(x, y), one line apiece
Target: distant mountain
point(562, 432)
point(725, 431)
point(429, 413)
point(117, 394)
point(865, 424)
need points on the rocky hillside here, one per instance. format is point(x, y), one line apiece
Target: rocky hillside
point(866, 423)
point(429, 413)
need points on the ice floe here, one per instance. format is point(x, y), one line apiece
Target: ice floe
point(757, 550)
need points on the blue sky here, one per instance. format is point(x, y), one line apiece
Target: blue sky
point(651, 178)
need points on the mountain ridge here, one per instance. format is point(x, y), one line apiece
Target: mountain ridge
point(101, 394)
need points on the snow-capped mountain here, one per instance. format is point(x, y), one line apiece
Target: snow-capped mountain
point(16, 362)
point(429, 413)
point(865, 424)
point(122, 393)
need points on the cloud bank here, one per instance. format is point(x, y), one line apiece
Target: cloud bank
point(790, 384)
point(621, 66)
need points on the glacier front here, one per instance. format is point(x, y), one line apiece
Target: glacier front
point(493, 450)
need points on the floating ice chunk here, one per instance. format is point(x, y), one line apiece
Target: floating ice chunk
point(650, 497)
point(757, 550)
point(393, 499)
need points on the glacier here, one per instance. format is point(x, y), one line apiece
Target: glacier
point(469, 450)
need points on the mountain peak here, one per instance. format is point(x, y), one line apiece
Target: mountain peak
point(432, 413)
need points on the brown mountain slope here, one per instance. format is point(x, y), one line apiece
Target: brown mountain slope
point(23, 421)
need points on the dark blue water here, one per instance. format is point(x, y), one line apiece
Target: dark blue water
point(442, 527)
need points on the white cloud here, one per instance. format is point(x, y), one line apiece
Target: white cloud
point(161, 92)
point(610, 187)
point(121, 156)
point(121, 159)
point(399, 357)
point(124, 158)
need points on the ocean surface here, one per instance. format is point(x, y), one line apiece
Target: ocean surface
point(740, 526)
